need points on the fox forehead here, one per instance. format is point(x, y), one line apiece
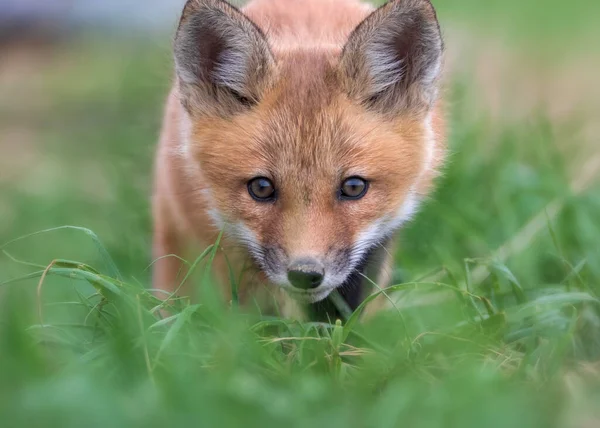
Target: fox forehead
point(306, 127)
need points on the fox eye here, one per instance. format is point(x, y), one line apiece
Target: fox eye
point(261, 189)
point(353, 188)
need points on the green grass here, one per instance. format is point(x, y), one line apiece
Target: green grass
point(479, 337)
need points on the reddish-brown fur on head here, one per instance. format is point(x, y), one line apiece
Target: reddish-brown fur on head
point(307, 100)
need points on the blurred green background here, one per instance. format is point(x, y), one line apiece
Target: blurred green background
point(496, 318)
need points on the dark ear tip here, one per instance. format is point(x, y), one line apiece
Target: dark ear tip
point(424, 6)
point(193, 6)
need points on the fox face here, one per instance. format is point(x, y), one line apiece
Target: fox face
point(310, 158)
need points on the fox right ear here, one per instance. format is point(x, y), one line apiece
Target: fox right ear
point(222, 59)
point(392, 60)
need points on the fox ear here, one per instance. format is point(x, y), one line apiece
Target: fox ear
point(222, 59)
point(393, 59)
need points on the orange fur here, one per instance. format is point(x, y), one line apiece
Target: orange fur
point(307, 134)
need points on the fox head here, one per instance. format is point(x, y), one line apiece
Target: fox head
point(310, 157)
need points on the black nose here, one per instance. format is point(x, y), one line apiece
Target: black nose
point(305, 274)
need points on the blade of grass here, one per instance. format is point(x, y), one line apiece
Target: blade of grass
point(113, 270)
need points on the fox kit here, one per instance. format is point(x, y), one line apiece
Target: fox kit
point(308, 131)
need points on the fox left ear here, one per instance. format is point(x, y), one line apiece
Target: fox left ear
point(393, 59)
point(222, 59)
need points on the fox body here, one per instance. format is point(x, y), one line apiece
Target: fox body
point(308, 131)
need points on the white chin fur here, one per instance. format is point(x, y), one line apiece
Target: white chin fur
point(306, 296)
